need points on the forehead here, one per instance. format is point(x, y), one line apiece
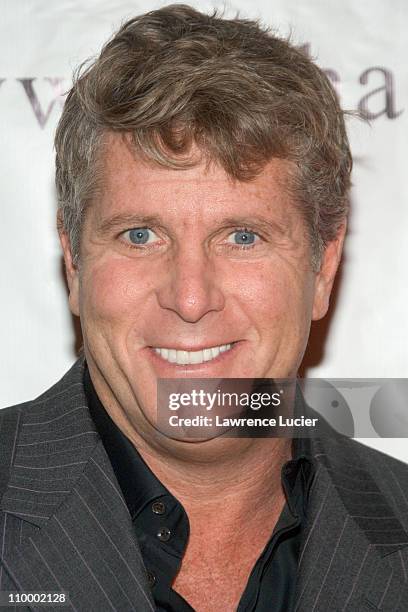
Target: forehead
point(131, 184)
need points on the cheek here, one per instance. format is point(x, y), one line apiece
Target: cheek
point(275, 294)
point(113, 291)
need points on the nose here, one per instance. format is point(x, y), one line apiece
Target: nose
point(190, 288)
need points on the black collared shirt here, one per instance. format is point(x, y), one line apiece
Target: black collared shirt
point(162, 527)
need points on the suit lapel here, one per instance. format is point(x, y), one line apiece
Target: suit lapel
point(63, 483)
point(352, 555)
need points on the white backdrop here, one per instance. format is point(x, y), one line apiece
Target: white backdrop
point(363, 46)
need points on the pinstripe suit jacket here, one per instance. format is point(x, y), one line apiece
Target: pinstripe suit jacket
point(64, 524)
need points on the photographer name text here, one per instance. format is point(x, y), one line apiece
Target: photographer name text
point(217, 421)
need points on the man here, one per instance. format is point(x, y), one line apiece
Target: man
point(203, 170)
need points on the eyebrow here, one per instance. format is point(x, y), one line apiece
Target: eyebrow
point(120, 221)
point(123, 220)
point(266, 224)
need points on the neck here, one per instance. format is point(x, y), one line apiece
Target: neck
point(245, 470)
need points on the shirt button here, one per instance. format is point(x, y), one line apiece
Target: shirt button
point(164, 534)
point(158, 507)
point(151, 578)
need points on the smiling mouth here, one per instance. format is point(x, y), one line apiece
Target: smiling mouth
point(182, 357)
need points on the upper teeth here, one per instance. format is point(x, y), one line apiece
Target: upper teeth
point(185, 357)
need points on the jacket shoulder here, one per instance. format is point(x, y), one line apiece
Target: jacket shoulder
point(381, 463)
point(72, 378)
point(10, 411)
point(9, 422)
point(10, 419)
point(375, 457)
point(49, 402)
point(388, 473)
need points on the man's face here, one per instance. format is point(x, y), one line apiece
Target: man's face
point(215, 274)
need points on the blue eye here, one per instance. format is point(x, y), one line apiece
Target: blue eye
point(243, 237)
point(140, 235)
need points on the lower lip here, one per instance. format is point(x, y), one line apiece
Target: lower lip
point(192, 367)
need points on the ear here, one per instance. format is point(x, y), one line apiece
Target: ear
point(325, 277)
point(71, 270)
